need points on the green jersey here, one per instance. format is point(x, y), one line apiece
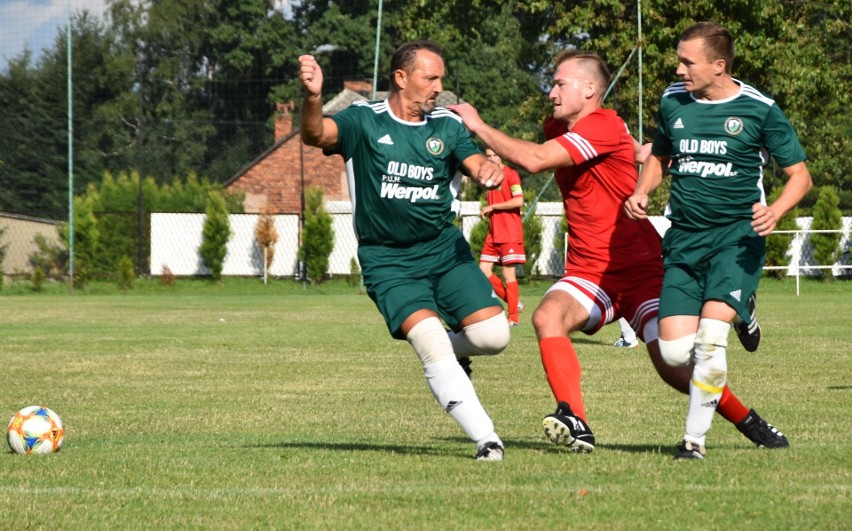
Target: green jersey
point(716, 153)
point(402, 175)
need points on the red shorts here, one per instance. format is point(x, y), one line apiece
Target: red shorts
point(631, 293)
point(503, 253)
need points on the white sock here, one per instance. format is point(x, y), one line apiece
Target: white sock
point(708, 377)
point(627, 332)
point(455, 393)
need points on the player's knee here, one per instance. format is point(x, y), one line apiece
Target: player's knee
point(489, 336)
point(430, 341)
point(677, 352)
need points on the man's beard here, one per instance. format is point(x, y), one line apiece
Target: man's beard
point(428, 106)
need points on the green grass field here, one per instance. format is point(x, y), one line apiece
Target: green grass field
point(248, 406)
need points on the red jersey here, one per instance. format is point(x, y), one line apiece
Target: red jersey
point(506, 225)
point(601, 238)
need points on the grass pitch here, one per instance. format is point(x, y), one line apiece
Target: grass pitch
point(248, 406)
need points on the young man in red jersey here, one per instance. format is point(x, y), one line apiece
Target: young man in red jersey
point(504, 244)
point(614, 266)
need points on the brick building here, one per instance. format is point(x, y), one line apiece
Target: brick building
point(274, 179)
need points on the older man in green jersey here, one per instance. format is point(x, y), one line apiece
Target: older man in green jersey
point(402, 156)
point(710, 132)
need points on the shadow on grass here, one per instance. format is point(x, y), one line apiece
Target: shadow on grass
point(511, 444)
point(355, 447)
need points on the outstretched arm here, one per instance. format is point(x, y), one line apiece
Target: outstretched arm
point(530, 156)
point(316, 130)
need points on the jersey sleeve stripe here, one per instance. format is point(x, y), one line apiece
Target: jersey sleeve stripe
point(674, 89)
point(441, 112)
point(753, 93)
point(587, 151)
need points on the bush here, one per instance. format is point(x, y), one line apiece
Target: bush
point(266, 236)
point(354, 273)
point(826, 216)
point(317, 236)
point(167, 278)
point(86, 241)
point(52, 259)
point(478, 234)
point(215, 235)
point(37, 278)
point(126, 273)
point(532, 234)
point(4, 247)
point(777, 245)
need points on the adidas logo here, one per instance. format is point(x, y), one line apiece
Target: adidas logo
point(713, 403)
point(386, 140)
point(678, 124)
point(452, 405)
point(737, 294)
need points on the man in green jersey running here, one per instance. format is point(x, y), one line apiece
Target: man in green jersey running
point(402, 156)
point(711, 128)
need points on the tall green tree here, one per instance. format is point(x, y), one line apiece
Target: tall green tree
point(826, 217)
point(317, 240)
point(215, 235)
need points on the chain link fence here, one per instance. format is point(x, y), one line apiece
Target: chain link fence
point(171, 241)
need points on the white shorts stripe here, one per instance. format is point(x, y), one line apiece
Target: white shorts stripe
point(594, 306)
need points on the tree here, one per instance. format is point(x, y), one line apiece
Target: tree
point(189, 86)
point(86, 240)
point(267, 236)
point(3, 248)
point(215, 235)
point(317, 236)
point(532, 234)
point(826, 216)
point(778, 245)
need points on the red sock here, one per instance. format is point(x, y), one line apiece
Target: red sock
point(498, 286)
point(730, 407)
point(512, 295)
point(563, 372)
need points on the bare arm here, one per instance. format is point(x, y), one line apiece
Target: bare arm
point(652, 175)
point(316, 130)
point(530, 156)
point(643, 151)
point(511, 204)
point(765, 218)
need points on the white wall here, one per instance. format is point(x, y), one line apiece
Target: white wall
point(175, 239)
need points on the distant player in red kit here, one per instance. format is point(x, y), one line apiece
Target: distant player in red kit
point(504, 244)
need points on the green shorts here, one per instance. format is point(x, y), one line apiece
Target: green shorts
point(722, 264)
point(438, 275)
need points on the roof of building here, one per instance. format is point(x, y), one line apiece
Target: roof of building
point(342, 100)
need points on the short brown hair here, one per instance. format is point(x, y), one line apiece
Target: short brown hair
point(589, 60)
point(718, 43)
point(403, 58)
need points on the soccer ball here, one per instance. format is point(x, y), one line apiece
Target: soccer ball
point(35, 430)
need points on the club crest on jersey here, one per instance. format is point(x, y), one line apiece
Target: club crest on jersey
point(734, 125)
point(435, 146)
